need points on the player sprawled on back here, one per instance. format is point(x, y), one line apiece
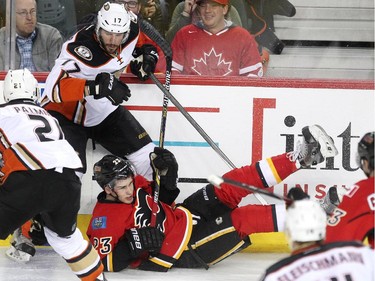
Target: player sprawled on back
point(206, 227)
point(38, 177)
point(311, 259)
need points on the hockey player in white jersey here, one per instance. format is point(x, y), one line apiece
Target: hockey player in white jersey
point(84, 93)
point(37, 176)
point(313, 260)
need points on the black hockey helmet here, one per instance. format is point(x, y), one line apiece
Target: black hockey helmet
point(111, 168)
point(366, 149)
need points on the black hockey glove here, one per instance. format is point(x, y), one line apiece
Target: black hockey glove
point(164, 161)
point(144, 239)
point(150, 58)
point(106, 85)
point(145, 61)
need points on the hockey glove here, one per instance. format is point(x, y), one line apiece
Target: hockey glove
point(106, 85)
point(330, 201)
point(150, 58)
point(144, 239)
point(145, 61)
point(164, 161)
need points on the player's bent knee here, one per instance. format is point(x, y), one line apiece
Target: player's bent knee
point(205, 204)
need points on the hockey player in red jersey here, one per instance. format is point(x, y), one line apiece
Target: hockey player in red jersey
point(353, 218)
point(206, 227)
point(311, 259)
point(215, 46)
point(38, 177)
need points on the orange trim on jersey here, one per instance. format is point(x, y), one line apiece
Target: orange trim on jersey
point(14, 162)
point(73, 111)
point(71, 89)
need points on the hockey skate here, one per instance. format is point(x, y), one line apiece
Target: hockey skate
point(21, 249)
point(315, 147)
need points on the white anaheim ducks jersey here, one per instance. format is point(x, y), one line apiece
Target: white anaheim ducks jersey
point(31, 139)
point(346, 261)
point(81, 59)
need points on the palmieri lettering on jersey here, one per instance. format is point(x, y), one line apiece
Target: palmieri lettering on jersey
point(30, 110)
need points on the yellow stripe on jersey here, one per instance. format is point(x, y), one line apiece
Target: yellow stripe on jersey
point(187, 234)
point(228, 253)
point(213, 236)
point(269, 173)
point(184, 241)
point(273, 169)
point(161, 262)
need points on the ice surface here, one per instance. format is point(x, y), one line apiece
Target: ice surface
point(46, 265)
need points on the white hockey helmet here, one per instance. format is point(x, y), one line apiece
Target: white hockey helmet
point(113, 17)
point(20, 84)
point(305, 221)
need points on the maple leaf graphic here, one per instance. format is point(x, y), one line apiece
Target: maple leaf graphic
point(212, 64)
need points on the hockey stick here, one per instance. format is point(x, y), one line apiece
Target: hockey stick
point(198, 128)
point(192, 121)
point(155, 36)
point(217, 181)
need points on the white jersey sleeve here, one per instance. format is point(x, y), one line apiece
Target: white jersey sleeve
point(31, 139)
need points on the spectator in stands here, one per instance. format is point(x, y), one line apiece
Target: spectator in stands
point(151, 11)
point(186, 12)
point(215, 46)
point(311, 259)
point(37, 44)
point(257, 18)
point(57, 13)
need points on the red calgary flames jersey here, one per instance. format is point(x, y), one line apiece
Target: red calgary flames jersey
point(353, 219)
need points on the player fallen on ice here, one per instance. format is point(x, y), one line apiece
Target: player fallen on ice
point(206, 227)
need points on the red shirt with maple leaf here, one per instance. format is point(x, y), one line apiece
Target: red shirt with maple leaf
point(231, 52)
